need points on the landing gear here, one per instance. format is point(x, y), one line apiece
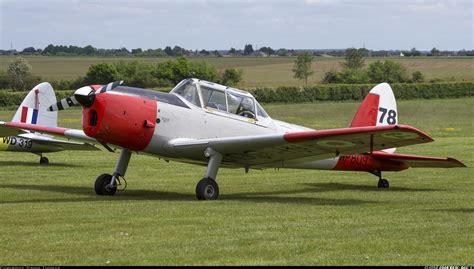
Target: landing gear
point(106, 184)
point(383, 183)
point(102, 185)
point(207, 188)
point(44, 160)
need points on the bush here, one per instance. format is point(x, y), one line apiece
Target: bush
point(173, 71)
point(387, 71)
point(20, 73)
point(101, 73)
point(4, 80)
point(65, 84)
point(136, 74)
point(232, 76)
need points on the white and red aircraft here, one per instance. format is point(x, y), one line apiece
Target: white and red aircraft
point(33, 110)
point(209, 124)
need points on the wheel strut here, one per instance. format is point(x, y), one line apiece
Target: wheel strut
point(207, 188)
point(383, 183)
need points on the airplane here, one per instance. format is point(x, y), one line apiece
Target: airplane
point(209, 124)
point(33, 110)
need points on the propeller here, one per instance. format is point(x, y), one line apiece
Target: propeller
point(84, 96)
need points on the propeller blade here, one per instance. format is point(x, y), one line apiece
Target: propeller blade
point(84, 96)
point(109, 86)
point(64, 104)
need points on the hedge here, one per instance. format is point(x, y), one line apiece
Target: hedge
point(342, 92)
point(10, 98)
point(322, 92)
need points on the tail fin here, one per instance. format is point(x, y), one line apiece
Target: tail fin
point(378, 108)
point(33, 108)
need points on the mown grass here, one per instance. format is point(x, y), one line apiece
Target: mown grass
point(51, 216)
point(271, 71)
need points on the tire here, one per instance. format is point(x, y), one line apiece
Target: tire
point(101, 187)
point(383, 184)
point(44, 160)
point(207, 189)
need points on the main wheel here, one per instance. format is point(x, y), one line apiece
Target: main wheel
point(383, 184)
point(207, 189)
point(44, 160)
point(102, 185)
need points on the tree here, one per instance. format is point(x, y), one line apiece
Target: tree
point(302, 68)
point(387, 71)
point(435, 52)
point(232, 76)
point(417, 77)
point(232, 51)
point(267, 50)
point(248, 49)
point(19, 71)
point(101, 73)
point(173, 71)
point(354, 59)
point(169, 51)
point(415, 52)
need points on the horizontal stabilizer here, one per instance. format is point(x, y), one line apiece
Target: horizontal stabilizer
point(419, 161)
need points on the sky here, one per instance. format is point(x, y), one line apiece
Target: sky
point(222, 24)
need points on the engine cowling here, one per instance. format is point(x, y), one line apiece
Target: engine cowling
point(122, 120)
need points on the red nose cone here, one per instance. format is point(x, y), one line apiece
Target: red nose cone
point(121, 120)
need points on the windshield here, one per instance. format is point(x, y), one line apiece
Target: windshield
point(213, 98)
point(189, 92)
point(241, 105)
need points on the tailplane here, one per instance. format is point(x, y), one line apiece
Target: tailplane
point(33, 109)
point(378, 108)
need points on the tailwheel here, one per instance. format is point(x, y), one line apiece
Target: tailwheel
point(44, 160)
point(383, 183)
point(102, 185)
point(207, 189)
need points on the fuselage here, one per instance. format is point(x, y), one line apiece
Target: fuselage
point(27, 143)
point(150, 121)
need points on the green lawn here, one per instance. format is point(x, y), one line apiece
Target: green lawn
point(50, 215)
point(270, 71)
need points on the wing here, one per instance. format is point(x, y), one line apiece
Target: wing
point(16, 128)
point(315, 145)
point(419, 161)
point(62, 144)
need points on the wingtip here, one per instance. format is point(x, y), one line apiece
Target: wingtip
point(456, 162)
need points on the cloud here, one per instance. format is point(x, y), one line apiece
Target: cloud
point(213, 24)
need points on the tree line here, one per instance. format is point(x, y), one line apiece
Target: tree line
point(248, 50)
point(353, 71)
point(134, 73)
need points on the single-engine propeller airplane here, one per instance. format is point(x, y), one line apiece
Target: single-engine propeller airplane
point(205, 123)
point(33, 110)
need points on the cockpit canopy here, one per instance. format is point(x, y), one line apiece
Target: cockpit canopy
point(214, 96)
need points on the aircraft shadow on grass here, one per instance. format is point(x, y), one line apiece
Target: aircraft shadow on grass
point(254, 197)
point(37, 164)
point(258, 197)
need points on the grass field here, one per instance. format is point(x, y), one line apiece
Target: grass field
point(272, 71)
point(51, 215)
